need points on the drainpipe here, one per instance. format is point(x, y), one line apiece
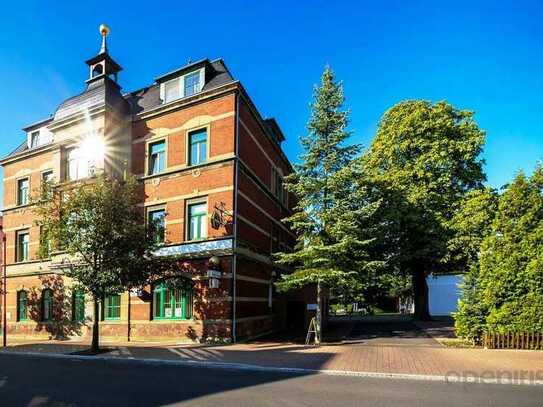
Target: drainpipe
point(235, 243)
point(4, 291)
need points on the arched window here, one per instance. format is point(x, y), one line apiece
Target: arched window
point(22, 306)
point(172, 302)
point(47, 305)
point(97, 70)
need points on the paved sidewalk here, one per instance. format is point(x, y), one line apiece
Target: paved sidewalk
point(412, 360)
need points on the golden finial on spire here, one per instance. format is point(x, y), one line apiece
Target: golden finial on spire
point(104, 32)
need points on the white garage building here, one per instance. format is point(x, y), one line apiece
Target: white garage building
point(443, 293)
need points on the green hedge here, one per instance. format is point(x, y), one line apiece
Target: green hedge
point(504, 292)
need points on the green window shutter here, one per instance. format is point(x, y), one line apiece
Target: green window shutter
point(47, 305)
point(22, 306)
point(78, 306)
point(157, 303)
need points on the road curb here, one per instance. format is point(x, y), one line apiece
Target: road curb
point(453, 377)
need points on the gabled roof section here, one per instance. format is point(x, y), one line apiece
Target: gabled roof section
point(217, 74)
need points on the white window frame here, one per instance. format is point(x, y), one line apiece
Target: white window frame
point(38, 143)
point(181, 85)
point(19, 195)
point(19, 257)
point(81, 164)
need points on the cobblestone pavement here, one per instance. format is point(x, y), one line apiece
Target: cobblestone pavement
point(420, 360)
point(394, 347)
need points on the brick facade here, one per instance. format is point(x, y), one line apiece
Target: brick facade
point(243, 162)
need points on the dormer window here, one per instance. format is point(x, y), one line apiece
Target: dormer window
point(192, 83)
point(38, 138)
point(182, 86)
point(35, 139)
point(172, 90)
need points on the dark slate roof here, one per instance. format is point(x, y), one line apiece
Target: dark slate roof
point(38, 124)
point(98, 93)
point(145, 99)
point(182, 70)
point(20, 149)
point(148, 98)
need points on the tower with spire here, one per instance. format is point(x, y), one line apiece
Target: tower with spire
point(102, 65)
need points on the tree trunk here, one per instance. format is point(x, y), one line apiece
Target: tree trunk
point(319, 315)
point(95, 346)
point(420, 293)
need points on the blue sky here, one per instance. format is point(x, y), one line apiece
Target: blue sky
point(482, 56)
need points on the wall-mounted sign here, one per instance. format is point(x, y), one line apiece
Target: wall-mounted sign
point(214, 274)
point(209, 248)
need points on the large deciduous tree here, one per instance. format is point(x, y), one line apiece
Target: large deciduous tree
point(329, 249)
point(100, 227)
point(424, 159)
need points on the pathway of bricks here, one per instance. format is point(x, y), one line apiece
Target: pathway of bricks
point(403, 351)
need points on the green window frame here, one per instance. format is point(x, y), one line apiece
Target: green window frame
point(198, 146)
point(112, 307)
point(47, 305)
point(23, 246)
point(22, 305)
point(78, 306)
point(172, 303)
point(157, 157)
point(197, 221)
point(156, 224)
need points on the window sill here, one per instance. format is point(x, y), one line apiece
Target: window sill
point(185, 167)
point(172, 320)
point(16, 263)
point(20, 206)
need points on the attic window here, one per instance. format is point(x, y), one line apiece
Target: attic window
point(35, 139)
point(172, 90)
point(182, 86)
point(192, 83)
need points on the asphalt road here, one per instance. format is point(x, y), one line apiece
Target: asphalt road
point(39, 381)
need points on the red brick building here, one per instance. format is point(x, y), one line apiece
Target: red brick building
point(211, 168)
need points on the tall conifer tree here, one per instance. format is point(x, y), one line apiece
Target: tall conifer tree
point(329, 249)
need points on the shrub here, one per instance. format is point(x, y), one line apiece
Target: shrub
point(504, 293)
